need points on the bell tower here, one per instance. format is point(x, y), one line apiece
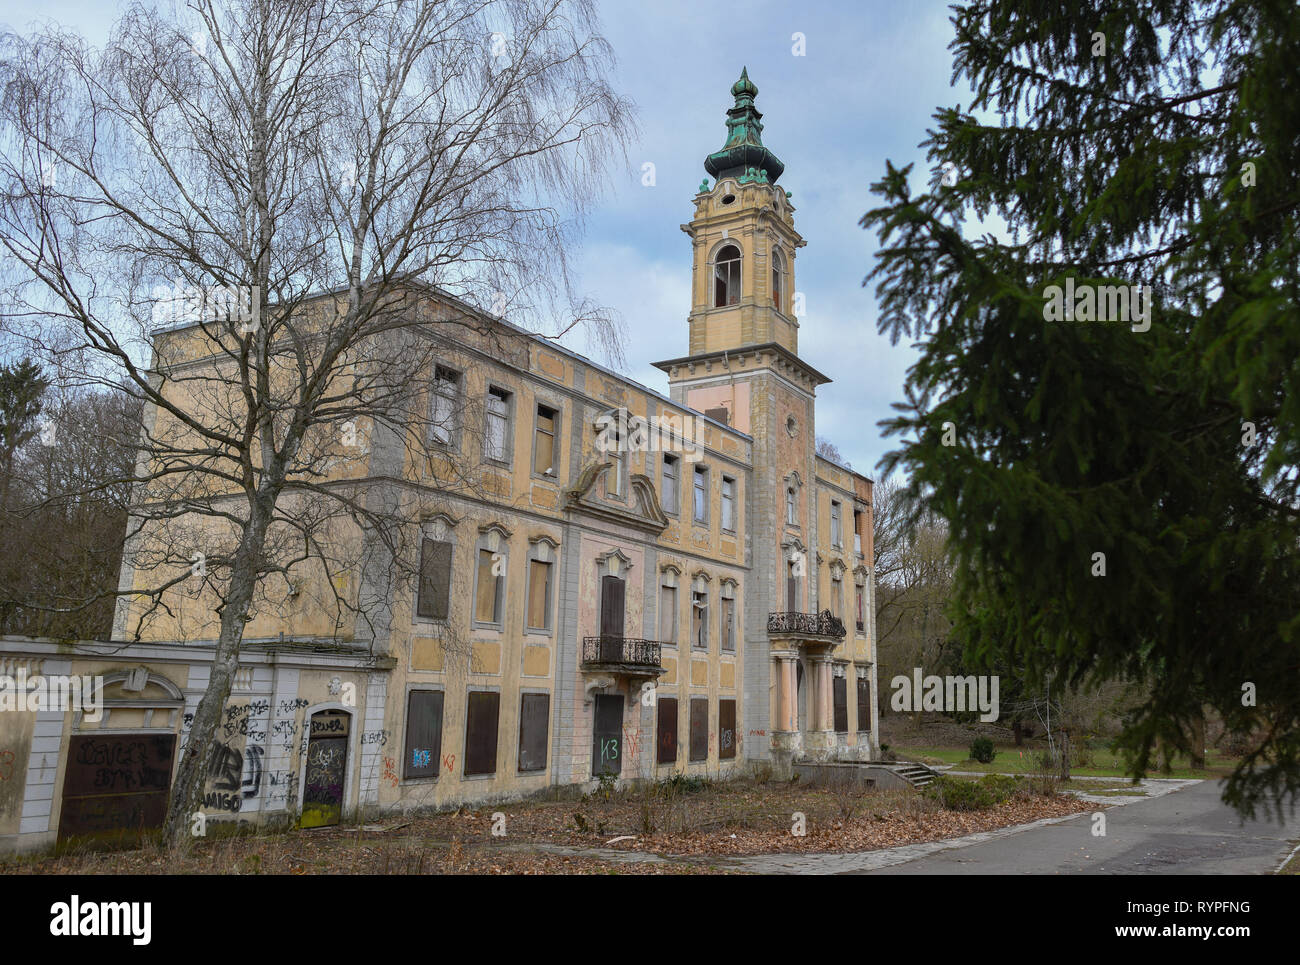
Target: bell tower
point(743, 369)
point(744, 241)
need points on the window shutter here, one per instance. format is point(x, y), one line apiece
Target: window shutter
point(534, 713)
point(611, 606)
point(699, 728)
point(840, 695)
point(864, 704)
point(667, 739)
point(481, 732)
point(435, 580)
point(726, 729)
point(423, 734)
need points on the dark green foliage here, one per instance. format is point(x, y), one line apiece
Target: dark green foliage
point(958, 795)
point(981, 749)
point(1078, 438)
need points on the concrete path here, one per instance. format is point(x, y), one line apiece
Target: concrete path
point(1187, 832)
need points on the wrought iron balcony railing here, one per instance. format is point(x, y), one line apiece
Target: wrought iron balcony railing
point(622, 650)
point(824, 624)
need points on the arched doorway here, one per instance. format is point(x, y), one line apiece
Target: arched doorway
point(326, 768)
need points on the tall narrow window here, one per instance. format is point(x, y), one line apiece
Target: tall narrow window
point(481, 732)
point(791, 587)
point(778, 270)
point(857, 532)
point(728, 504)
point(668, 614)
point(498, 419)
point(539, 595)
point(671, 498)
point(423, 734)
point(701, 495)
point(611, 607)
point(700, 620)
point(544, 442)
point(534, 712)
point(840, 703)
point(434, 592)
point(789, 506)
point(837, 596)
point(862, 624)
point(837, 536)
point(726, 277)
point(864, 703)
point(446, 394)
point(728, 618)
point(487, 599)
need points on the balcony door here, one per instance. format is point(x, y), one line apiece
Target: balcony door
point(611, 608)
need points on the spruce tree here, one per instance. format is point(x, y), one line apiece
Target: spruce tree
point(1121, 495)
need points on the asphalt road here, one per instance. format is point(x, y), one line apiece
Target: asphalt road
point(1187, 832)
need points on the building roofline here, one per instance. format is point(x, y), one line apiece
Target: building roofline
point(776, 347)
point(474, 310)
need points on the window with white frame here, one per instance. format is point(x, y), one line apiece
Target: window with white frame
point(445, 401)
point(728, 504)
point(544, 440)
point(701, 502)
point(669, 484)
point(497, 431)
point(837, 535)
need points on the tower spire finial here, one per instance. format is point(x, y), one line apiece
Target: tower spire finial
point(744, 148)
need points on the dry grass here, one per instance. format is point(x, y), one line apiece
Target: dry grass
point(544, 837)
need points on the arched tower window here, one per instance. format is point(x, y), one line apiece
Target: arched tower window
point(726, 277)
point(778, 273)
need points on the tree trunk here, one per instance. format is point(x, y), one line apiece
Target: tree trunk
point(191, 775)
point(1017, 731)
point(1198, 742)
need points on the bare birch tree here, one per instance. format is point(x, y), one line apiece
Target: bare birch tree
point(307, 197)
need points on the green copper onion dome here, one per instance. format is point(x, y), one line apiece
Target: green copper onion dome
point(743, 155)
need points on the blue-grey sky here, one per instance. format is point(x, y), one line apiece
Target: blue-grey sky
point(870, 76)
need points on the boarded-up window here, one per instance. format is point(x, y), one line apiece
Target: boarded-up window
point(487, 599)
point(667, 737)
point(435, 580)
point(699, 728)
point(668, 614)
point(726, 728)
point(611, 606)
point(481, 732)
point(539, 595)
point(728, 621)
point(534, 712)
point(791, 588)
point(423, 733)
point(840, 697)
point(861, 591)
point(544, 442)
point(837, 596)
point(864, 703)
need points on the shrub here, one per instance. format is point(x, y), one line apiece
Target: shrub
point(981, 749)
point(958, 795)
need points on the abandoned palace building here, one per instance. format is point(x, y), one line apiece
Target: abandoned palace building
point(699, 603)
